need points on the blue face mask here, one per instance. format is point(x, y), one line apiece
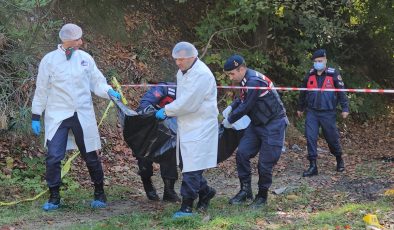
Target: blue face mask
point(319, 65)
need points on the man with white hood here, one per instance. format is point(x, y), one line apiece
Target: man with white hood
point(195, 108)
point(66, 79)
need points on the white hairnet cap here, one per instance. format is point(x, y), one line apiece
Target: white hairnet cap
point(184, 50)
point(70, 32)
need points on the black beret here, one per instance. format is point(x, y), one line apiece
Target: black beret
point(319, 53)
point(233, 62)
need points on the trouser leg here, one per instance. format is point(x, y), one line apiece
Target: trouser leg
point(56, 152)
point(168, 168)
point(272, 139)
point(192, 183)
point(247, 149)
point(91, 159)
point(330, 131)
point(311, 133)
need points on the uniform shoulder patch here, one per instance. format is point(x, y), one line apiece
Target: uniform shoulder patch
point(331, 70)
point(310, 71)
point(339, 77)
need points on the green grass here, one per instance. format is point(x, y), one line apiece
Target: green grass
point(221, 215)
point(350, 214)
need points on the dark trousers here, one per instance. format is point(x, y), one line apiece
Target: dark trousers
point(57, 149)
point(326, 120)
point(193, 184)
point(268, 140)
point(168, 168)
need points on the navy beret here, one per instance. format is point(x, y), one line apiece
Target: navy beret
point(319, 53)
point(233, 62)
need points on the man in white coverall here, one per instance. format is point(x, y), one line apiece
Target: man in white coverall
point(195, 108)
point(66, 79)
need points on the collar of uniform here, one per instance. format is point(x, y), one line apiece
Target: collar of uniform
point(185, 71)
point(248, 73)
point(322, 73)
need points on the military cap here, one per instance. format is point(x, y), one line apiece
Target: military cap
point(319, 53)
point(233, 62)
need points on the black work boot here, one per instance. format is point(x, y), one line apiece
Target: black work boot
point(185, 210)
point(149, 189)
point(54, 199)
point(312, 170)
point(340, 164)
point(260, 199)
point(169, 192)
point(244, 194)
point(205, 197)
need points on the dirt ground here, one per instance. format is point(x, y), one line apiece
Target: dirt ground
point(358, 183)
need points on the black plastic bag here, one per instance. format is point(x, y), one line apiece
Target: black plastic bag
point(145, 135)
point(228, 141)
point(156, 140)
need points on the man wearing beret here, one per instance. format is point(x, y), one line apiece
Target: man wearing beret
point(265, 134)
point(66, 79)
point(320, 109)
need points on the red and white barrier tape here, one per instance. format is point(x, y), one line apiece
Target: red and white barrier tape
point(278, 88)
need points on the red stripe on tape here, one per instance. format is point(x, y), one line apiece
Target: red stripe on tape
point(277, 88)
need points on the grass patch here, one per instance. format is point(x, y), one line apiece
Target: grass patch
point(350, 215)
point(221, 215)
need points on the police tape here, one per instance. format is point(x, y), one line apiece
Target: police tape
point(67, 165)
point(279, 88)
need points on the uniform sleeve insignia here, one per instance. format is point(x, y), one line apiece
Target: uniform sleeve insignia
point(339, 77)
point(331, 70)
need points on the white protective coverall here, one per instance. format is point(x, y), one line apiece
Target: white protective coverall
point(196, 110)
point(64, 87)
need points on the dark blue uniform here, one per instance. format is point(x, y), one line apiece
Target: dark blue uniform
point(158, 97)
point(266, 132)
point(321, 109)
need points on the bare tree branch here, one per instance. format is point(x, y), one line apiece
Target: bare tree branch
point(210, 39)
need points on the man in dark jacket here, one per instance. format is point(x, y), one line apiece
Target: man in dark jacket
point(158, 97)
point(321, 109)
point(265, 134)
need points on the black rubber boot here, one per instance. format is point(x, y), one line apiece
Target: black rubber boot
point(149, 189)
point(340, 164)
point(312, 170)
point(54, 200)
point(54, 197)
point(185, 210)
point(99, 193)
point(204, 199)
point(244, 194)
point(260, 199)
point(169, 192)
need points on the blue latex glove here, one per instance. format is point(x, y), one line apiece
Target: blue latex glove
point(161, 115)
point(36, 126)
point(113, 93)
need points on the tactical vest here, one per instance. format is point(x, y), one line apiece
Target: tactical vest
point(268, 107)
point(170, 95)
point(321, 100)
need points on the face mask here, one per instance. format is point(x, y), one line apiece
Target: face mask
point(319, 65)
